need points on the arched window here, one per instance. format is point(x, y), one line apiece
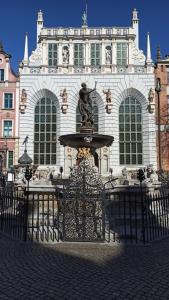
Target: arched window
point(95, 117)
point(130, 132)
point(45, 132)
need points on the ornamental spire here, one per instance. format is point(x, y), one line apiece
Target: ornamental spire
point(148, 60)
point(25, 60)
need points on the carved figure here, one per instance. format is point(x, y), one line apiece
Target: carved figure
point(64, 96)
point(108, 55)
point(85, 105)
point(23, 96)
point(65, 55)
point(108, 95)
point(153, 176)
point(151, 95)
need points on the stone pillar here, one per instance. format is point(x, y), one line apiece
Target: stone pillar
point(114, 57)
point(87, 54)
point(103, 61)
point(44, 53)
point(59, 53)
point(71, 56)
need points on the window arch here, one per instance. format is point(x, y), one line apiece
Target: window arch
point(45, 132)
point(130, 132)
point(95, 117)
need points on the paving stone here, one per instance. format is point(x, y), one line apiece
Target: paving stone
point(76, 271)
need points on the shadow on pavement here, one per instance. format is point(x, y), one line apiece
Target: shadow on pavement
point(83, 271)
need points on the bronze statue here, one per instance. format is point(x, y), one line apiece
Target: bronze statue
point(85, 105)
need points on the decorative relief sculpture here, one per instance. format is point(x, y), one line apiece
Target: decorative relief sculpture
point(151, 98)
point(151, 95)
point(108, 100)
point(138, 56)
point(84, 153)
point(23, 101)
point(65, 55)
point(64, 96)
point(36, 57)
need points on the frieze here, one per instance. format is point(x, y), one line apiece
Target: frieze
point(52, 70)
point(35, 70)
point(139, 70)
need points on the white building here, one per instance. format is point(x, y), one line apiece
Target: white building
point(65, 58)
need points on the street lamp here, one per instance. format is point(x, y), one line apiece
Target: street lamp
point(158, 90)
point(25, 161)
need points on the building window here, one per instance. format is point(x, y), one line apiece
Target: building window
point(7, 128)
point(95, 55)
point(8, 100)
point(108, 31)
point(97, 31)
point(119, 31)
point(95, 117)
point(121, 54)
point(130, 132)
point(10, 159)
point(75, 32)
point(1, 74)
point(92, 32)
point(45, 132)
point(78, 55)
point(52, 55)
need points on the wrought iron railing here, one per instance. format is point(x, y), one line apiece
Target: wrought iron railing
point(131, 216)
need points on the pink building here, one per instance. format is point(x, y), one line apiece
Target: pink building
point(9, 98)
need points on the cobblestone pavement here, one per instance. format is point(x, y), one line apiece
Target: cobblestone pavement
point(83, 271)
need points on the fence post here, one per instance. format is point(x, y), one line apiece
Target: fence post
point(26, 215)
point(141, 177)
point(28, 176)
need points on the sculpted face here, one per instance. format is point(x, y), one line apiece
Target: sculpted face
point(84, 85)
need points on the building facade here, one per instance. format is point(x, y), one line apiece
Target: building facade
point(9, 113)
point(162, 112)
point(50, 80)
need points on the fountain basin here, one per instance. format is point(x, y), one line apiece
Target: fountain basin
point(90, 140)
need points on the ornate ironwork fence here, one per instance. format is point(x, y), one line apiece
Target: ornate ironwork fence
point(81, 214)
point(75, 214)
point(136, 216)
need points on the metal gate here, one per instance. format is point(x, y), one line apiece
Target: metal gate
point(81, 214)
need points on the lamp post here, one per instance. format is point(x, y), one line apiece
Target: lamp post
point(158, 90)
point(25, 161)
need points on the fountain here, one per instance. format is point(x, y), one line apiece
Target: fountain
point(86, 142)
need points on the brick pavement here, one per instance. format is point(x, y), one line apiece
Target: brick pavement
point(83, 271)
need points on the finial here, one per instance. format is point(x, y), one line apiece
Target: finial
point(158, 53)
point(135, 14)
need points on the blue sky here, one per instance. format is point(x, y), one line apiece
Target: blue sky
point(19, 16)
